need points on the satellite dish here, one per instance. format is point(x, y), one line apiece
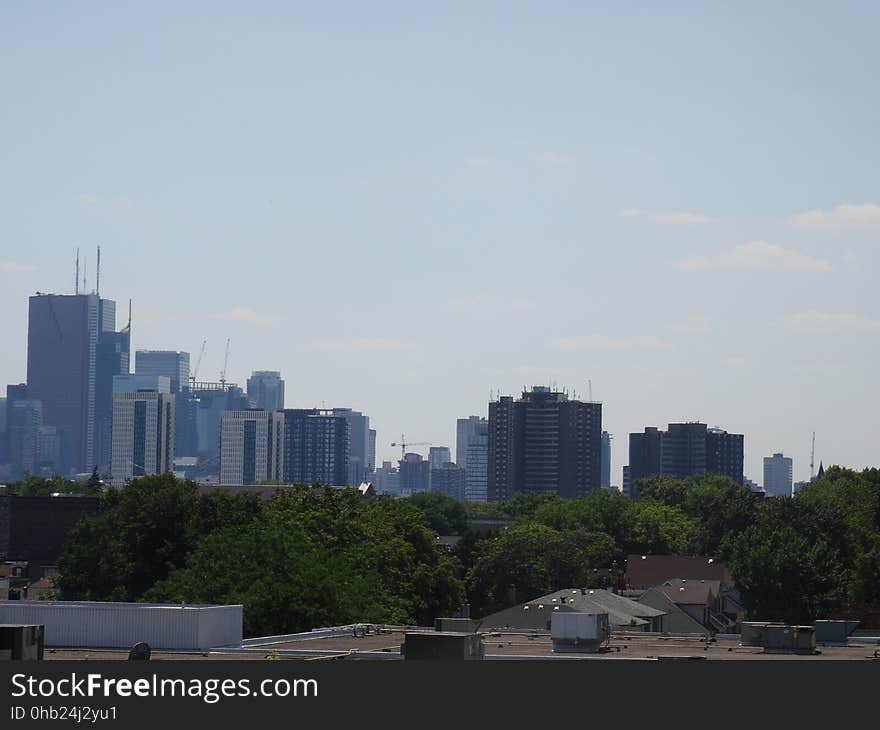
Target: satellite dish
point(139, 652)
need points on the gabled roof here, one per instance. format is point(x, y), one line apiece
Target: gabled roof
point(689, 592)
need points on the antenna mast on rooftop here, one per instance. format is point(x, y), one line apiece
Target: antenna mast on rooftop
point(98, 274)
point(813, 458)
point(76, 287)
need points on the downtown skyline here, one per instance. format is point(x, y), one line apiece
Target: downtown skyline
point(680, 207)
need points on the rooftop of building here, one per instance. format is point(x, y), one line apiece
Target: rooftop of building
point(385, 643)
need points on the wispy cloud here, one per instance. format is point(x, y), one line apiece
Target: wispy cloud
point(252, 317)
point(604, 343)
point(667, 216)
point(842, 216)
point(756, 255)
point(363, 344)
point(827, 322)
point(11, 267)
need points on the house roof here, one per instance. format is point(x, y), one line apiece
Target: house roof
point(690, 592)
point(646, 571)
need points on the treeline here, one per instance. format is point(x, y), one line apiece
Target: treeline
point(309, 557)
point(816, 555)
point(316, 557)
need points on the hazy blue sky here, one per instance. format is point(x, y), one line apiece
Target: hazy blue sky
point(403, 206)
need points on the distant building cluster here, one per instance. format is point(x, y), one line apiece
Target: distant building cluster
point(84, 407)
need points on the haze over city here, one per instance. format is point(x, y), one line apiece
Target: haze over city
point(678, 205)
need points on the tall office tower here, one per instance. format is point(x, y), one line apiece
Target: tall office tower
point(25, 421)
point(777, 475)
point(173, 365)
point(209, 402)
point(684, 450)
point(415, 475)
point(265, 390)
point(477, 458)
point(73, 354)
point(143, 435)
point(626, 483)
point(465, 429)
point(316, 447)
point(112, 359)
point(544, 442)
point(4, 444)
point(438, 456)
point(134, 383)
point(605, 481)
point(359, 445)
point(386, 479)
point(251, 446)
point(449, 479)
point(371, 451)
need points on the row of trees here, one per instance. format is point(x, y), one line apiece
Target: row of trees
point(313, 556)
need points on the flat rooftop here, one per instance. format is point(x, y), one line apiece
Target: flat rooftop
point(386, 643)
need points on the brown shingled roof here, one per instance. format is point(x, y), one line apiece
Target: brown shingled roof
point(647, 571)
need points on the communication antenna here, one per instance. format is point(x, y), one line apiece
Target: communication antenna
point(813, 458)
point(98, 274)
point(76, 287)
point(590, 390)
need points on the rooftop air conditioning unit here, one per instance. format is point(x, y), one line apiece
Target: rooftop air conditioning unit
point(579, 632)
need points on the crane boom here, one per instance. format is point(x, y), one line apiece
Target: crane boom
point(403, 444)
point(195, 371)
point(225, 364)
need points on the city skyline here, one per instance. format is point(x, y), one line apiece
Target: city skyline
point(599, 207)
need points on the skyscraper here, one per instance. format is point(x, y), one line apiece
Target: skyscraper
point(265, 390)
point(438, 456)
point(359, 444)
point(143, 435)
point(777, 475)
point(605, 481)
point(209, 402)
point(684, 450)
point(415, 474)
point(543, 442)
point(73, 354)
point(251, 446)
point(472, 454)
point(316, 447)
point(449, 479)
point(169, 363)
point(173, 365)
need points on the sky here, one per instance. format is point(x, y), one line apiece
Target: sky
point(407, 208)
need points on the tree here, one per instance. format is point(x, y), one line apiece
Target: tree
point(141, 533)
point(444, 515)
point(529, 559)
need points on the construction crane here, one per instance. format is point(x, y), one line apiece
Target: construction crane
point(403, 444)
point(225, 364)
point(195, 371)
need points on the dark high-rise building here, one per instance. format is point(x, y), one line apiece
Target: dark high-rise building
point(208, 401)
point(777, 475)
point(449, 479)
point(169, 363)
point(415, 475)
point(265, 390)
point(73, 354)
point(173, 365)
point(359, 444)
point(543, 442)
point(605, 481)
point(684, 450)
point(113, 355)
point(316, 447)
